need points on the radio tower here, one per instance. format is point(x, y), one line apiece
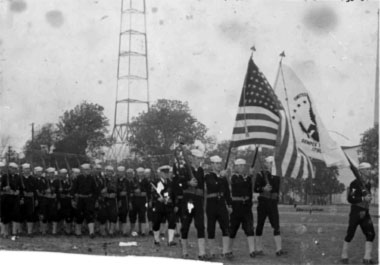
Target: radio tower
point(132, 89)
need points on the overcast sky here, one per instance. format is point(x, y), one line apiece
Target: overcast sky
point(55, 54)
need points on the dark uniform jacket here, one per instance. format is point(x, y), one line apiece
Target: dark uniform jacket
point(140, 188)
point(85, 185)
point(30, 186)
point(356, 193)
point(241, 188)
point(189, 192)
point(167, 193)
point(261, 181)
point(12, 180)
point(217, 187)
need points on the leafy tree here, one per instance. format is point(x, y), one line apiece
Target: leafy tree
point(167, 122)
point(82, 129)
point(370, 152)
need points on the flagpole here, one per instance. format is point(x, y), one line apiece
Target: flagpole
point(253, 49)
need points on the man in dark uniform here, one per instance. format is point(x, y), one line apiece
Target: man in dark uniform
point(11, 189)
point(48, 204)
point(86, 192)
point(110, 201)
point(123, 198)
point(218, 205)
point(241, 194)
point(140, 194)
point(192, 204)
point(65, 210)
point(162, 201)
point(2, 172)
point(150, 178)
point(99, 180)
point(268, 186)
point(28, 196)
point(359, 195)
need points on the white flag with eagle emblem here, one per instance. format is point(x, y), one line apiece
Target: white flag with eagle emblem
point(309, 131)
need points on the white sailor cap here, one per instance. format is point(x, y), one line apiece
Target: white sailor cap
point(196, 153)
point(130, 170)
point(75, 170)
point(98, 166)
point(140, 169)
point(147, 170)
point(25, 166)
point(13, 164)
point(364, 165)
point(240, 161)
point(2, 164)
point(63, 171)
point(216, 159)
point(121, 168)
point(165, 169)
point(85, 166)
point(50, 170)
point(269, 159)
point(109, 168)
point(38, 169)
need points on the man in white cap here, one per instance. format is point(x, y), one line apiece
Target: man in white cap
point(191, 206)
point(140, 194)
point(124, 198)
point(359, 195)
point(11, 188)
point(218, 205)
point(241, 193)
point(162, 201)
point(86, 192)
point(268, 186)
point(150, 178)
point(38, 174)
point(66, 213)
point(2, 172)
point(29, 195)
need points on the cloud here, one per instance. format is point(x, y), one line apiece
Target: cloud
point(321, 20)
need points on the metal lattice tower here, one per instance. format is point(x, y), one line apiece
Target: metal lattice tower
point(132, 90)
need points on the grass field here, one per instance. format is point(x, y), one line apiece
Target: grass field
point(309, 239)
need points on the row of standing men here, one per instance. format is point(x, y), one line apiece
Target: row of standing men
point(110, 197)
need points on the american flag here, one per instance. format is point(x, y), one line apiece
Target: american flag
point(289, 160)
point(258, 117)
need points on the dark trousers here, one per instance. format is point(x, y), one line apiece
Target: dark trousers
point(27, 210)
point(241, 214)
point(48, 210)
point(108, 211)
point(360, 217)
point(66, 212)
point(10, 208)
point(160, 212)
point(267, 208)
point(197, 213)
point(138, 210)
point(123, 210)
point(216, 212)
point(85, 210)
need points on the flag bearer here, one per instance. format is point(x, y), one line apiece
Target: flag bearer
point(218, 205)
point(359, 195)
point(241, 194)
point(268, 186)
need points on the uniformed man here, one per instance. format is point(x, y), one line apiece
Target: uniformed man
point(191, 206)
point(2, 172)
point(11, 189)
point(218, 205)
point(123, 198)
point(48, 201)
point(140, 192)
point(268, 186)
point(241, 194)
point(150, 178)
point(38, 174)
point(86, 192)
point(359, 195)
point(28, 197)
point(65, 211)
point(162, 201)
point(176, 175)
point(110, 210)
point(99, 180)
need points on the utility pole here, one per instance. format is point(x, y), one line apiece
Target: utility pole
point(32, 132)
